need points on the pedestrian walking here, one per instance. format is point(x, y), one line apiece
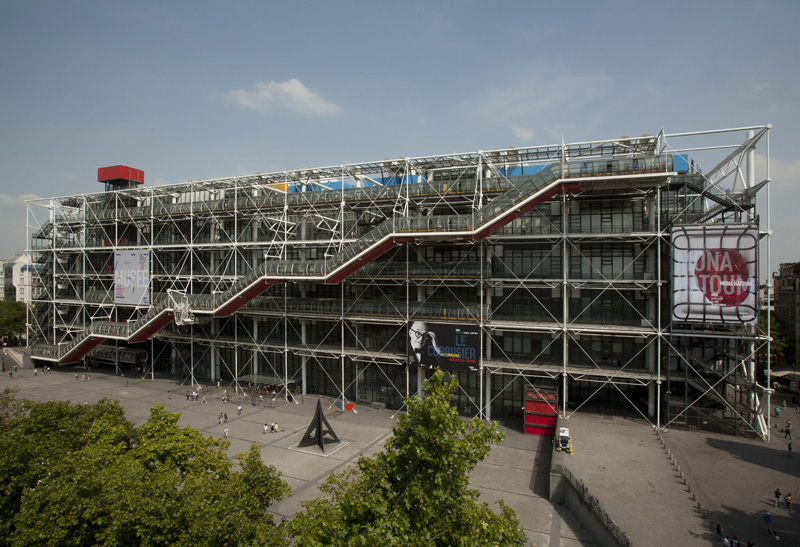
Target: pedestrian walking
point(734, 542)
point(239, 410)
point(777, 497)
point(90, 377)
point(787, 432)
point(727, 541)
point(768, 521)
point(126, 383)
point(220, 418)
point(204, 399)
point(225, 432)
point(719, 532)
point(790, 449)
point(789, 499)
point(225, 417)
point(266, 427)
point(777, 412)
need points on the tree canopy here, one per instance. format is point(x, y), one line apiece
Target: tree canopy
point(85, 475)
point(12, 317)
point(417, 491)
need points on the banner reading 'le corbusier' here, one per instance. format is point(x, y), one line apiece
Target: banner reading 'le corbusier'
point(449, 346)
point(714, 273)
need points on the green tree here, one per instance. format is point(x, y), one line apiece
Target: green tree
point(417, 491)
point(780, 340)
point(85, 475)
point(12, 317)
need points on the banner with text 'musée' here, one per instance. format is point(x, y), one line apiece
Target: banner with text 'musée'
point(132, 277)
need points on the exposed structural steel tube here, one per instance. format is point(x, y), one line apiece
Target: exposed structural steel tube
point(473, 226)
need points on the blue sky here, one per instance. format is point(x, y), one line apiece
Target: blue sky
point(189, 90)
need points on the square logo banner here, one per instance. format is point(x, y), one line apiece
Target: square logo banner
point(714, 274)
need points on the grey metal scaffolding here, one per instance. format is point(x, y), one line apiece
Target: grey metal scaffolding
point(309, 278)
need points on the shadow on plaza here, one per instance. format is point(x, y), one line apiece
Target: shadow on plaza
point(747, 525)
point(773, 456)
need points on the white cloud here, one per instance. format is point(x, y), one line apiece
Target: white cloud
point(522, 133)
point(782, 173)
point(16, 201)
point(289, 95)
point(784, 195)
point(546, 91)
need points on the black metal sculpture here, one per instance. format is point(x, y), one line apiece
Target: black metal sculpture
point(319, 427)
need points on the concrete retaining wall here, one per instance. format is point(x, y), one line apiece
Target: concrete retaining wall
point(568, 490)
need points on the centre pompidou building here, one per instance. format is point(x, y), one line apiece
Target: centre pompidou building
point(621, 274)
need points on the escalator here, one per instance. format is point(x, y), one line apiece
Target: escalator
point(474, 226)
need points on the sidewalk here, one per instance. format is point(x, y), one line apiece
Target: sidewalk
point(726, 480)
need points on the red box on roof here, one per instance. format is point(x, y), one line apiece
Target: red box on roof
point(120, 172)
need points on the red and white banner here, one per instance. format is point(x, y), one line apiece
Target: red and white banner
point(714, 274)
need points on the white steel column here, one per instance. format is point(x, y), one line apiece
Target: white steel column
point(236, 353)
point(486, 339)
point(212, 352)
point(769, 289)
point(565, 304)
point(304, 358)
point(652, 308)
point(659, 296)
point(256, 350)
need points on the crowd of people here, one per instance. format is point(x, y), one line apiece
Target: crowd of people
point(202, 394)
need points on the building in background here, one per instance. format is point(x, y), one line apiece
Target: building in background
point(23, 277)
point(12, 269)
point(17, 278)
point(9, 291)
point(613, 273)
point(787, 305)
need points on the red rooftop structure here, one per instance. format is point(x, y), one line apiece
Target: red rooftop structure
point(120, 177)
